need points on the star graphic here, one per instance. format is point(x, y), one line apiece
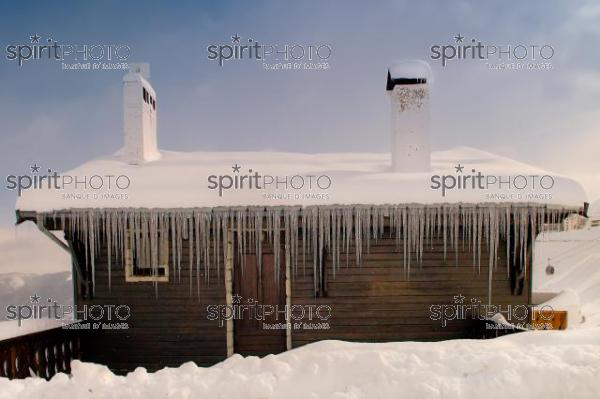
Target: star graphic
point(236, 298)
point(35, 38)
point(236, 168)
point(35, 168)
point(459, 168)
point(459, 38)
point(235, 38)
point(35, 298)
point(459, 298)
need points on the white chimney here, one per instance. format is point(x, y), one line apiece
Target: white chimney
point(408, 85)
point(139, 116)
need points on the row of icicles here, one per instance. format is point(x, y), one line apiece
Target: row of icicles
point(295, 232)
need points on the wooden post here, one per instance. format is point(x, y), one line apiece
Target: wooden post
point(490, 281)
point(288, 298)
point(229, 290)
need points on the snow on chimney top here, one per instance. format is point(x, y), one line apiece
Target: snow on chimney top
point(139, 116)
point(143, 68)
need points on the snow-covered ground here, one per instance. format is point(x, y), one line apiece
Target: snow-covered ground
point(541, 364)
point(17, 288)
point(31, 264)
point(566, 272)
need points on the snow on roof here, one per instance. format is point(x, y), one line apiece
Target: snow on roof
point(200, 179)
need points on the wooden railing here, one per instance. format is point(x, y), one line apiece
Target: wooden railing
point(41, 354)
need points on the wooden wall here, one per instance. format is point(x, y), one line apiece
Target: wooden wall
point(164, 330)
point(376, 302)
point(373, 302)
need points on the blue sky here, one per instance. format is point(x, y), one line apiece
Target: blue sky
point(59, 119)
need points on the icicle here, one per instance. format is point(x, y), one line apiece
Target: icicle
point(334, 228)
point(109, 247)
point(92, 244)
point(507, 221)
point(190, 234)
point(196, 247)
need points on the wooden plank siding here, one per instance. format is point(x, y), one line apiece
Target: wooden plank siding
point(377, 302)
point(167, 329)
point(371, 302)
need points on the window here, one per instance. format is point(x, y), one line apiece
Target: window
point(148, 99)
point(138, 266)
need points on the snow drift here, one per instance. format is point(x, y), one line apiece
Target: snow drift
point(543, 364)
point(574, 285)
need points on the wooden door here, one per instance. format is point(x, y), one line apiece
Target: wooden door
point(252, 335)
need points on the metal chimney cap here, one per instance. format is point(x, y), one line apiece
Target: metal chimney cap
point(408, 72)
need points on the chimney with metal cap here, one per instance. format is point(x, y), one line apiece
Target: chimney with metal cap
point(408, 85)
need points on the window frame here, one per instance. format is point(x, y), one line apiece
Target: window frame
point(130, 277)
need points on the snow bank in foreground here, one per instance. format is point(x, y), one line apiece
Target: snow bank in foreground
point(575, 281)
point(540, 364)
